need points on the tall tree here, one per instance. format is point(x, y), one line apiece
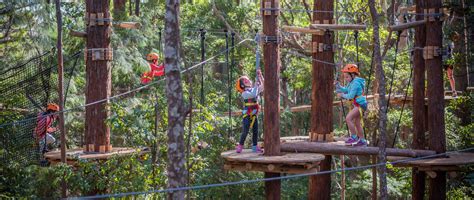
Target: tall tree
point(434, 38)
point(322, 97)
point(418, 177)
point(271, 121)
point(382, 126)
point(98, 75)
point(119, 8)
point(174, 93)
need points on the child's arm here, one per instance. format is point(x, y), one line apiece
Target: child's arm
point(340, 89)
point(351, 93)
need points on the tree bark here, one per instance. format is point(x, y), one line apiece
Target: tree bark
point(61, 92)
point(418, 177)
point(98, 77)
point(137, 7)
point(322, 98)
point(382, 113)
point(271, 120)
point(176, 152)
point(119, 8)
point(434, 37)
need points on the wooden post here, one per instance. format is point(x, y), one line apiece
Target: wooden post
point(271, 120)
point(61, 92)
point(434, 37)
point(382, 101)
point(322, 97)
point(98, 75)
point(418, 177)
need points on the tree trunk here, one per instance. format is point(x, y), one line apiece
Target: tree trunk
point(176, 113)
point(137, 7)
point(322, 98)
point(271, 120)
point(418, 177)
point(382, 101)
point(119, 8)
point(98, 78)
point(434, 37)
point(61, 92)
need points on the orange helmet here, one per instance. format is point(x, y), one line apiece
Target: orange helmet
point(152, 56)
point(350, 68)
point(53, 107)
point(239, 84)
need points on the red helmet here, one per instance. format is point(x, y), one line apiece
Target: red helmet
point(53, 107)
point(152, 56)
point(239, 84)
point(350, 68)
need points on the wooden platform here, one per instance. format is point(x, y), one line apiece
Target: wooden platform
point(339, 148)
point(450, 163)
point(294, 163)
point(73, 155)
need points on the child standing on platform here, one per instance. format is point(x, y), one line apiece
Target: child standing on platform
point(354, 91)
point(250, 110)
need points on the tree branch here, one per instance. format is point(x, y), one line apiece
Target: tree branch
point(228, 26)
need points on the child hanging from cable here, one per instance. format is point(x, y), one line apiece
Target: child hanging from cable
point(354, 91)
point(250, 111)
point(156, 70)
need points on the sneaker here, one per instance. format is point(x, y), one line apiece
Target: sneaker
point(351, 140)
point(360, 143)
point(256, 149)
point(239, 148)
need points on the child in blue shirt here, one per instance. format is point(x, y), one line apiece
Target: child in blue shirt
point(354, 91)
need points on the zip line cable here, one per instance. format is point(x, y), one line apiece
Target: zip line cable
point(128, 92)
point(199, 187)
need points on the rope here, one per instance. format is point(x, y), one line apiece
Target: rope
point(203, 57)
point(199, 187)
point(230, 78)
point(124, 93)
point(393, 70)
point(229, 85)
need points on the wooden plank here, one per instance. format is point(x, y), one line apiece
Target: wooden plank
point(75, 154)
point(337, 27)
point(128, 25)
point(271, 168)
point(339, 148)
point(81, 34)
point(302, 30)
point(408, 25)
point(287, 158)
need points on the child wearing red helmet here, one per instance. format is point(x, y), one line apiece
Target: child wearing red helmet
point(250, 96)
point(44, 127)
point(354, 91)
point(155, 69)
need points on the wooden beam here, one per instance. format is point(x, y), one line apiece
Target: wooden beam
point(271, 168)
point(334, 148)
point(128, 25)
point(339, 27)
point(302, 30)
point(408, 25)
point(81, 34)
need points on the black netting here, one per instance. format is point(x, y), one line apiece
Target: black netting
point(25, 91)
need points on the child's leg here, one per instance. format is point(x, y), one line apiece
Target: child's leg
point(245, 129)
point(358, 126)
point(255, 132)
point(350, 119)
